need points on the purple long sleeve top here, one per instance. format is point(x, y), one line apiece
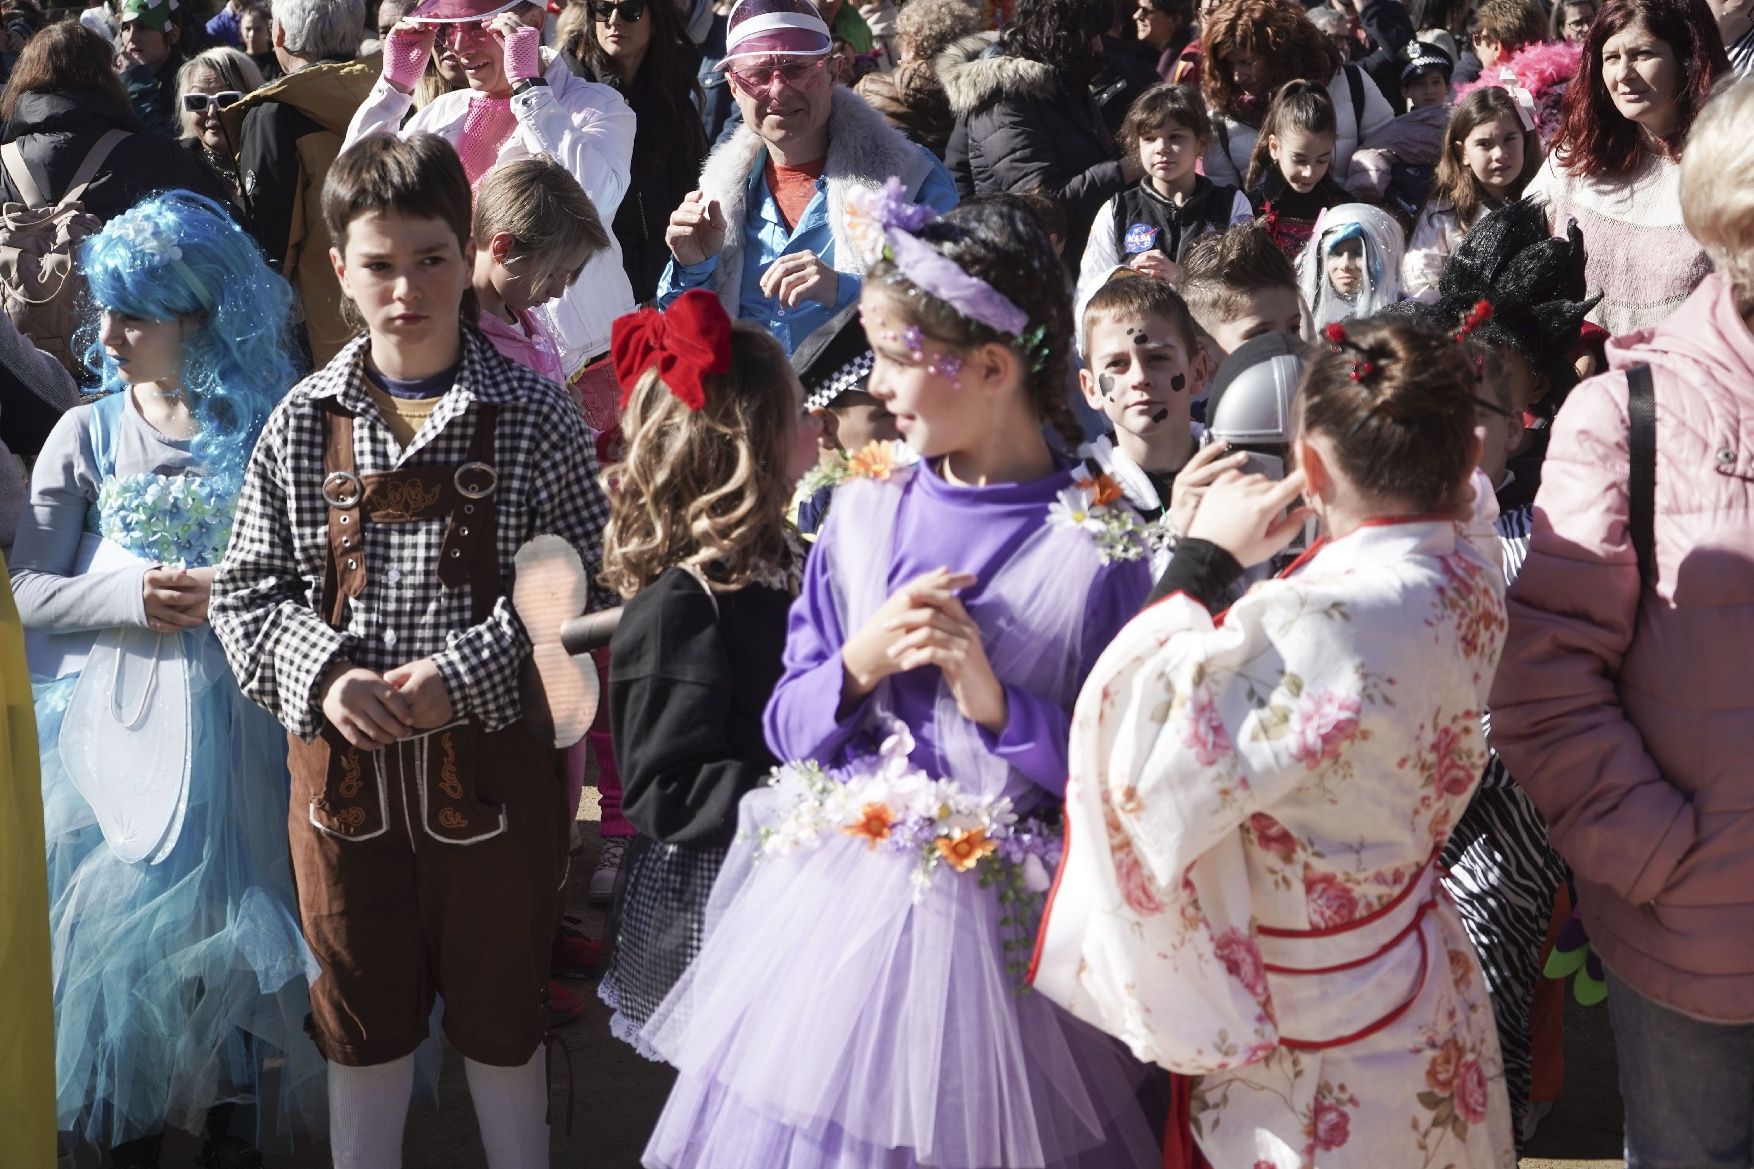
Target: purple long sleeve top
point(966, 529)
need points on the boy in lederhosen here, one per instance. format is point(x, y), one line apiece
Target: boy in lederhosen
point(365, 602)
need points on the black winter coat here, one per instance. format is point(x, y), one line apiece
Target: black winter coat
point(1017, 130)
point(657, 185)
point(55, 131)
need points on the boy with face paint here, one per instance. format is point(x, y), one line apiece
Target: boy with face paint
point(1144, 366)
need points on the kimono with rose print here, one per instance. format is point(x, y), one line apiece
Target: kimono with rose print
point(1249, 895)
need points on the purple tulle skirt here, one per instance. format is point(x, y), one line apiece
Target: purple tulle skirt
point(839, 1016)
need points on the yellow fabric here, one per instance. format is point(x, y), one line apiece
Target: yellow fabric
point(27, 1021)
point(404, 416)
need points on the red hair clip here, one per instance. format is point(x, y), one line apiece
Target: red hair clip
point(1477, 316)
point(1363, 369)
point(685, 344)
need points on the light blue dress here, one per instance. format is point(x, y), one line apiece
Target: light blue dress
point(177, 982)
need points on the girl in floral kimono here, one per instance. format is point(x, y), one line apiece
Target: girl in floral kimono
point(179, 972)
point(855, 1004)
point(1257, 800)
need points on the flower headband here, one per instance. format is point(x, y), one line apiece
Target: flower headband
point(685, 344)
point(155, 242)
point(883, 224)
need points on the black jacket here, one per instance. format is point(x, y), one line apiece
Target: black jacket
point(1206, 212)
point(55, 131)
point(688, 682)
point(1017, 130)
point(658, 184)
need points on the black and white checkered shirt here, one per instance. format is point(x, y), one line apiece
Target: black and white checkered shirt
point(268, 600)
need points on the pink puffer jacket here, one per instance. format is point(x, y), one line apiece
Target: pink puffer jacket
point(1632, 725)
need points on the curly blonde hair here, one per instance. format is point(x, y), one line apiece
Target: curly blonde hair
point(705, 488)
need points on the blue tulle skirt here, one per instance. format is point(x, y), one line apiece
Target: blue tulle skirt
point(182, 984)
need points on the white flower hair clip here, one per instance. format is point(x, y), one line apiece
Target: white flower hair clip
point(154, 242)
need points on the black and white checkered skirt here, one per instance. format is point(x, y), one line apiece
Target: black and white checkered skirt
point(660, 913)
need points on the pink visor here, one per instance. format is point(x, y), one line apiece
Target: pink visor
point(775, 28)
point(459, 11)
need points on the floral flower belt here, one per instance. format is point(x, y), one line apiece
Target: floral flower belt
point(892, 806)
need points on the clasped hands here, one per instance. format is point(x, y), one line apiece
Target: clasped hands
point(373, 710)
point(923, 623)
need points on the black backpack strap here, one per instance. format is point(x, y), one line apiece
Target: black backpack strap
point(1641, 484)
point(1355, 83)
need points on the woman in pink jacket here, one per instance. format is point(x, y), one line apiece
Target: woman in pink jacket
point(1625, 703)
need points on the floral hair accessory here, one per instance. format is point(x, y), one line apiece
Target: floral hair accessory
point(886, 222)
point(1477, 316)
point(684, 344)
point(154, 242)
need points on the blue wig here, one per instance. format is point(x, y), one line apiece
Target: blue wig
point(178, 255)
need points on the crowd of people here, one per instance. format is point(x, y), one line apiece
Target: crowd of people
point(1159, 577)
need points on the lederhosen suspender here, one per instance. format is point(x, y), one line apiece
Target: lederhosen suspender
point(469, 555)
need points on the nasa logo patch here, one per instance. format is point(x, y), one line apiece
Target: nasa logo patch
point(1141, 238)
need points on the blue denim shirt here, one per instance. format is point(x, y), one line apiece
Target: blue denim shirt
point(766, 238)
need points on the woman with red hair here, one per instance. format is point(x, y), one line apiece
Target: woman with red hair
point(1250, 49)
point(1615, 165)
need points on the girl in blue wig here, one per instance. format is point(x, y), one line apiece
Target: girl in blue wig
point(179, 968)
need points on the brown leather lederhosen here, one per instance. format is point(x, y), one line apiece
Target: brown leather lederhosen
point(434, 865)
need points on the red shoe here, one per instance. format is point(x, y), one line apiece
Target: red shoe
point(575, 956)
point(563, 1005)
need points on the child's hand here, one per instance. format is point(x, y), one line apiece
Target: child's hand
point(1191, 482)
point(176, 598)
point(697, 229)
point(1155, 264)
point(422, 686)
point(944, 635)
point(799, 276)
point(1245, 516)
point(867, 657)
point(366, 709)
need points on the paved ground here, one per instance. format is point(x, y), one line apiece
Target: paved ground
point(616, 1096)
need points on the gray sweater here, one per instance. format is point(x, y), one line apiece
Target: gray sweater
point(63, 487)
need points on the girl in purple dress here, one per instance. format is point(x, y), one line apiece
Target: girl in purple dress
point(858, 1001)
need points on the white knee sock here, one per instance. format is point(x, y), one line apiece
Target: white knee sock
point(511, 1106)
point(368, 1109)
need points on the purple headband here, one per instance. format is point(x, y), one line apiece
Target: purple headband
point(886, 220)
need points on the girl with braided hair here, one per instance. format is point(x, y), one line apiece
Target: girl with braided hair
point(961, 587)
point(1257, 803)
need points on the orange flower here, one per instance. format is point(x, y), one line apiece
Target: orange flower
point(872, 825)
point(964, 851)
point(1105, 491)
point(875, 461)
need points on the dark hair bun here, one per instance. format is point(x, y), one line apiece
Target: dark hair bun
point(1396, 402)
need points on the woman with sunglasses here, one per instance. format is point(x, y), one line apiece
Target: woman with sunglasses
point(213, 81)
point(62, 99)
point(639, 49)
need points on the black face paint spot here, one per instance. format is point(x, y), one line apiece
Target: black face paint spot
point(1107, 384)
point(1138, 337)
point(1160, 415)
point(1178, 383)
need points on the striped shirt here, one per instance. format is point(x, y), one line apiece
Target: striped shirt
point(1742, 55)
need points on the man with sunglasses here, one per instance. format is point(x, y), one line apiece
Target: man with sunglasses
point(518, 104)
point(766, 229)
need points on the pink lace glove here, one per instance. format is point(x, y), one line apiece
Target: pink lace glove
point(523, 54)
point(406, 51)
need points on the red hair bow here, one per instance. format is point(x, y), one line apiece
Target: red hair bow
point(685, 343)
